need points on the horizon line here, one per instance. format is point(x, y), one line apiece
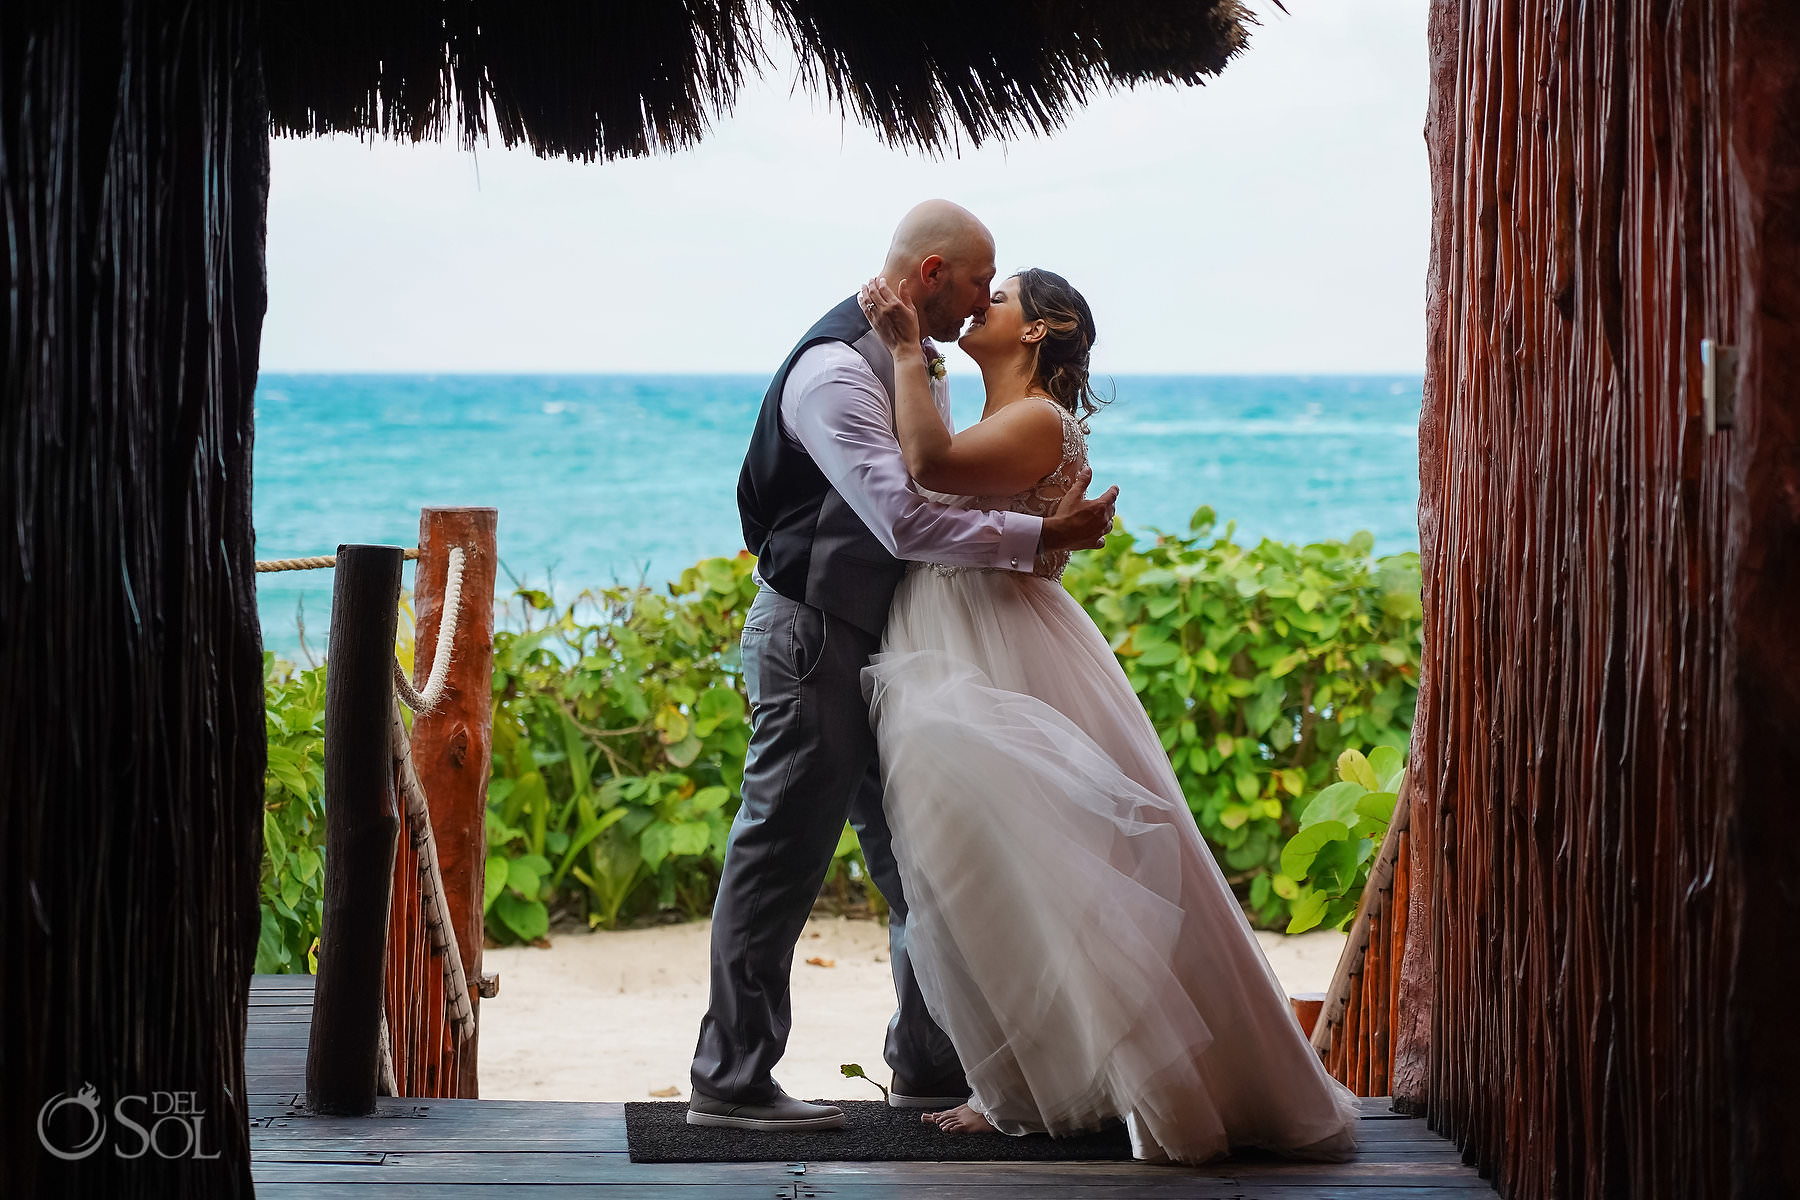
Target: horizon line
point(761, 373)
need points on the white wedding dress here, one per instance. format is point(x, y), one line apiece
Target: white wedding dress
point(1070, 929)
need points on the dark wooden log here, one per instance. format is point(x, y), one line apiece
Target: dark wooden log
point(362, 823)
point(133, 171)
point(1762, 666)
point(452, 745)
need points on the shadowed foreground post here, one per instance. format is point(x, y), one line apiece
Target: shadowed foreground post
point(362, 827)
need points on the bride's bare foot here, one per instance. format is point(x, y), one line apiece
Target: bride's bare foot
point(961, 1119)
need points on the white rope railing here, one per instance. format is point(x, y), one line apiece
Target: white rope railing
point(435, 903)
point(318, 562)
point(426, 699)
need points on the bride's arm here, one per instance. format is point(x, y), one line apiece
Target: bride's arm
point(1008, 452)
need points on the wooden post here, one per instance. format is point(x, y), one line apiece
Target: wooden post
point(362, 823)
point(452, 747)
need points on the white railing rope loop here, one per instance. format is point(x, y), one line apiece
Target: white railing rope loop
point(425, 699)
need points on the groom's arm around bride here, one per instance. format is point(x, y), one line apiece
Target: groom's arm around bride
point(831, 514)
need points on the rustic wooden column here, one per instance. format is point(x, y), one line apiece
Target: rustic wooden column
point(362, 823)
point(452, 747)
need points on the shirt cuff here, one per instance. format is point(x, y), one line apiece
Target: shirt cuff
point(1019, 534)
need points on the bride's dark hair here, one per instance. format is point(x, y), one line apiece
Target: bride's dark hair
point(1062, 363)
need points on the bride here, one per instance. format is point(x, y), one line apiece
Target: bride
point(1071, 931)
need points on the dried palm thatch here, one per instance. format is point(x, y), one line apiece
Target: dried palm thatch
point(590, 80)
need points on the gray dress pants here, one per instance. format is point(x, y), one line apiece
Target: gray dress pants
point(811, 764)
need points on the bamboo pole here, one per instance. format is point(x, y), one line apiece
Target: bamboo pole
point(362, 825)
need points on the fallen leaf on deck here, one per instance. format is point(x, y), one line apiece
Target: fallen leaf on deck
point(663, 1092)
point(821, 962)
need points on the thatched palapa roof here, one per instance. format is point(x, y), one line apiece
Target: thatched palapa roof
point(592, 79)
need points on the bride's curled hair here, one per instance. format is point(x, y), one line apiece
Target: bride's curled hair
point(1062, 363)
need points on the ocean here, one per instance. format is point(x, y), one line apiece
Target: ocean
point(627, 478)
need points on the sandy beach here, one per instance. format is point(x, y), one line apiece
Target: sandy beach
point(612, 1016)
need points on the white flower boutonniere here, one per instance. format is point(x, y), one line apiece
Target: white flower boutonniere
point(934, 362)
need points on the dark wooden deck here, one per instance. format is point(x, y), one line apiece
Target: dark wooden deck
point(451, 1148)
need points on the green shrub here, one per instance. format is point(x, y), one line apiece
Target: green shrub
point(620, 726)
point(293, 874)
point(1259, 666)
point(1340, 830)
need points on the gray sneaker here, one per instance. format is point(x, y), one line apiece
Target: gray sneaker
point(783, 1114)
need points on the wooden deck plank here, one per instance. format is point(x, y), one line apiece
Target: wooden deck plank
point(430, 1148)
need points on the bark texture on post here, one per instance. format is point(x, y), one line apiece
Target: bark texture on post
point(453, 745)
point(362, 825)
point(1608, 738)
point(1762, 601)
point(452, 749)
point(133, 176)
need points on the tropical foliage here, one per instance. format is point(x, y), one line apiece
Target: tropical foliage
point(293, 818)
point(1328, 861)
point(620, 729)
point(1259, 666)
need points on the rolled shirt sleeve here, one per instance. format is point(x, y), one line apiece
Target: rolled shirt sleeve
point(835, 407)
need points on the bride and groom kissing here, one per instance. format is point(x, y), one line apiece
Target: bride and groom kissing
point(1065, 950)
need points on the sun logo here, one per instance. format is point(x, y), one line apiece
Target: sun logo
point(87, 1100)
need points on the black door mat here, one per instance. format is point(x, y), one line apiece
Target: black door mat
point(659, 1133)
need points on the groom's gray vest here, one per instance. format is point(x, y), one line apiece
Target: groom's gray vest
point(810, 544)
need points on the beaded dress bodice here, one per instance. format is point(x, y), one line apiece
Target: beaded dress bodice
point(1041, 499)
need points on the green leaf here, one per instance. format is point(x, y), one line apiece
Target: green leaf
point(1297, 858)
point(1334, 803)
point(1333, 869)
point(690, 837)
point(1353, 767)
point(1389, 765)
point(707, 799)
point(847, 843)
point(683, 753)
point(655, 843)
point(527, 919)
point(496, 880)
point(1234, 815)
point(1307, 912)
point(522, 876)
point(1262, 711)
point(1160, 655)
point(1377, 806)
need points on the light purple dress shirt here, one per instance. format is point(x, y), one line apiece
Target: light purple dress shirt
point(837, 409)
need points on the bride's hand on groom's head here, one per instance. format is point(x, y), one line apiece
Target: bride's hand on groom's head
point(1080, 523)
point(891, 313)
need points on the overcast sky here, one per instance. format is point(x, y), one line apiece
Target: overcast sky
point(1275, 220)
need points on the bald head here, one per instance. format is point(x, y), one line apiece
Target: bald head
point(945, 257)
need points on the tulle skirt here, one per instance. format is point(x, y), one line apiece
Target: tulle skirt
point(1070, 929)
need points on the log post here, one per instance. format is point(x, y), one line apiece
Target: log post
point(452, 747)
point(362, 825)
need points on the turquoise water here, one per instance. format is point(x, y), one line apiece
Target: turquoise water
point(601, 478)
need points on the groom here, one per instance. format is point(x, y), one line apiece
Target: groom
point(831, 514)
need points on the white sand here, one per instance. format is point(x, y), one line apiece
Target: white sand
point(613, 1016)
